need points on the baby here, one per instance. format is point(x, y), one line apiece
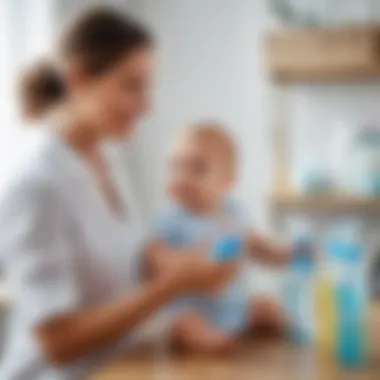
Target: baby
point(203, 170)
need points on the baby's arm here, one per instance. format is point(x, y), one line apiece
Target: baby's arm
point(258, 246)
point(264, 249)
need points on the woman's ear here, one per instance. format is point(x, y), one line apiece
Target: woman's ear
point(76, 77)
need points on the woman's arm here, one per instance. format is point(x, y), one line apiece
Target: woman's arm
point(160, 257)
point(69, 337)
point(33, 221)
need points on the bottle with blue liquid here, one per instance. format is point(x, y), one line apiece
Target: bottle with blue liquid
point(345, 255)
point(300, 283)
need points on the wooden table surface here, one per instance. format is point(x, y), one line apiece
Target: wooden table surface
point(263, 360)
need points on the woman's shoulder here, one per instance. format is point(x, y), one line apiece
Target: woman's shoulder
point(35, 173)
point(27, 186)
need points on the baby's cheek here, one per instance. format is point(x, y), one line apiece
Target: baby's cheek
point(211, 189)
point(179, 190)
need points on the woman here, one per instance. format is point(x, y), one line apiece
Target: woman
point(69, 245)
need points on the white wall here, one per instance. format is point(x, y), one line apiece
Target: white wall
point(25, 29)
point(208, 66)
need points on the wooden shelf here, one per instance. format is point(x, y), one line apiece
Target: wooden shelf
point(316, 54)
point(327, 203)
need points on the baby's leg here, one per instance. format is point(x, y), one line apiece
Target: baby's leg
point(266, 317)
point(192, 331)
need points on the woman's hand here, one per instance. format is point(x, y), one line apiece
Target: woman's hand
point(194, 271)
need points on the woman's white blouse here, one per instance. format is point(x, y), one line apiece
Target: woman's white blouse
point(62, 249)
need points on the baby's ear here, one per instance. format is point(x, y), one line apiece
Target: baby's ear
point(230, 179)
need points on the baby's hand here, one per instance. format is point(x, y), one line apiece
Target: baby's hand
point(266, 250)
point(227, 248)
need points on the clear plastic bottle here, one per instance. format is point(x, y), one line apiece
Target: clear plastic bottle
point(366, 160)
point(348, 280)
point(299, 286)
point(339, 155)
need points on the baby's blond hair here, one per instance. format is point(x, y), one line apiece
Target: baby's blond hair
point(217, 137)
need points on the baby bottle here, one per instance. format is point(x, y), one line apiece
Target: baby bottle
point(300, 282)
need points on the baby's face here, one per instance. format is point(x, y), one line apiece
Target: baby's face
point(198, 175)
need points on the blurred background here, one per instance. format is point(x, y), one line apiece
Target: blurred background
point(298, 82)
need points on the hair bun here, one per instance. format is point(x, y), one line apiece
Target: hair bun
point(41, 87)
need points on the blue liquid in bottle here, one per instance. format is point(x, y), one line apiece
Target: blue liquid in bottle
point(351, 311)
point(346, 253)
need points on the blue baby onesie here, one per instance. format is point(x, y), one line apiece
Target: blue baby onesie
point(228, 309)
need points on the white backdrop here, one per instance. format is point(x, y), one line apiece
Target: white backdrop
point(208, 66)
point(25, 32)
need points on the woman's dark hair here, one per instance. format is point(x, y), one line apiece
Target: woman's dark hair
point(97, 39)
